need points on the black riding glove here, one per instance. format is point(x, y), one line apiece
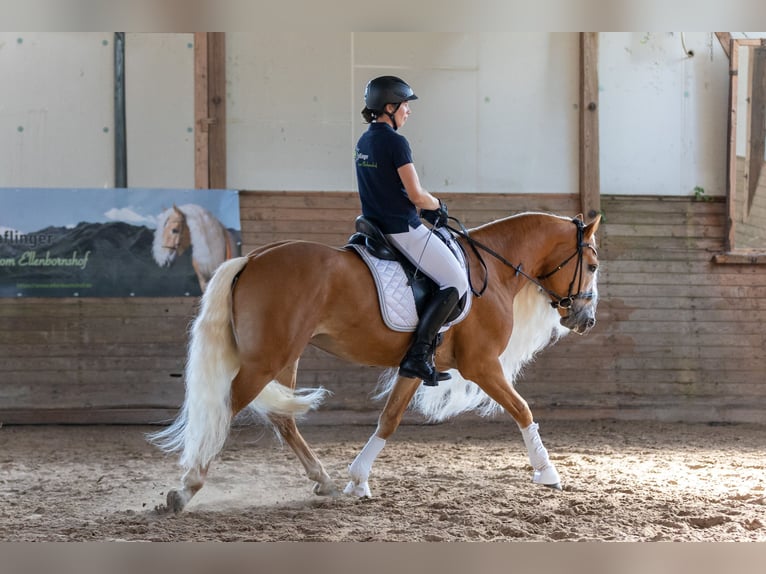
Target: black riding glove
point(436, 217)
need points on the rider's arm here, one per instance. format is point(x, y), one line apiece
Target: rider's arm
point(418, 196)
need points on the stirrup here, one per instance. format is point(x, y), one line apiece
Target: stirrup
point(437, 378)
point(430, 379)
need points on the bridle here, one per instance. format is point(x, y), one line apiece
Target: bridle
point(557, 302)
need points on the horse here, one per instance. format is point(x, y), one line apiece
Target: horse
point(260, 311)
point(192, 226)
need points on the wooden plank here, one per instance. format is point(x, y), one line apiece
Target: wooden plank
point(664, 232)
point(75, 350)
point(694, 280)
point(756, 122)
point(210, 110)
point(29, 307)
point(502, 204)
point(659, 203)
point(731, 149)
point(590, 190)
point(662, 266)
point(659, 291)
point(118, 416)
point(328, 200)
point(667, 217)
point(201, 134)
point(681, 315)
point(217, 108)
point(725, 40)
point(337, 215)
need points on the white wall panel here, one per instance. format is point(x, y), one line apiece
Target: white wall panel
point(159, 93)
point(663, 114)
point(287, 107)
point(56, 110)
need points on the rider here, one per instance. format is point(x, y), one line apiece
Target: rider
point(391, 195)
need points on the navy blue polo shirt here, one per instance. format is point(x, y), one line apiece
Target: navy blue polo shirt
point(379, 153)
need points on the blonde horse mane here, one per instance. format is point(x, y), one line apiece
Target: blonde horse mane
point(536, 325)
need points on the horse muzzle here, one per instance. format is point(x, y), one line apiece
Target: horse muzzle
point(580, 322)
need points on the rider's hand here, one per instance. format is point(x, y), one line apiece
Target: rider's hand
point(436, 217)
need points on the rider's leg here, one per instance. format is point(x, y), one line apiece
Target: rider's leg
point(434, 259)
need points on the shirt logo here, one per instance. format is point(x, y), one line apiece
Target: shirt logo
point(362, 159)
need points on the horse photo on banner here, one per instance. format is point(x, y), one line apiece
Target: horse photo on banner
point(114, 242)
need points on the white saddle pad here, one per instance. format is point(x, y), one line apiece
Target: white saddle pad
point(397, 303)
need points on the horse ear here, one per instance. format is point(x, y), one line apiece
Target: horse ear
point(592, 227)
point(580, 217)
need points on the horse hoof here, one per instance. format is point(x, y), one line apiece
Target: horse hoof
point(326, 490)
point(556, 486)
point(175, 503)
point(359, 490)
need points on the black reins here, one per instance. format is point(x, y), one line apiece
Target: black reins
point(556, 300)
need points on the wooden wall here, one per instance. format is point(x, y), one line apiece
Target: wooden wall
point(679, 337)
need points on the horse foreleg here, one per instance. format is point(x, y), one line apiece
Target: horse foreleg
point(398, 399)
point(544, 471)
point(314, 470)
point(203, 281)
point(493, 383)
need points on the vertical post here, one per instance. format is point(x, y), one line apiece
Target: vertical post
point(216, 50)
point(120, 132)
point(725, 39)
point(590, 185)
point(756, 123)
point(731, 145)
point(201, 164)
point(210, 110)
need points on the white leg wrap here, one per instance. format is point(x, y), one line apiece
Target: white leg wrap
point(361, 467)
point(545, 472)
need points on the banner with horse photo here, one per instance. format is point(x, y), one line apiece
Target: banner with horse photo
point(114, 242)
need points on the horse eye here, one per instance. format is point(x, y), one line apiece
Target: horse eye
point(593, 268)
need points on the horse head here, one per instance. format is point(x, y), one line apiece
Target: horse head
point(570, 275)
point(176, 237)
point(176, 234)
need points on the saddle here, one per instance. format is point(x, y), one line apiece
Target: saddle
point(369, 237)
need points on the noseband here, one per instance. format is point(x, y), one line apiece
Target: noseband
point(557, 302)
point(567, 302)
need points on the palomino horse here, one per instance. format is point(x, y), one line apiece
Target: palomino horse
point(261, 311)
point(192, 226)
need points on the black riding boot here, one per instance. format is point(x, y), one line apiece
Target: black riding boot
point(418, 363)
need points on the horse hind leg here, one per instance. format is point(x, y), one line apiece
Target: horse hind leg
point(202, 426)
point(288, 430)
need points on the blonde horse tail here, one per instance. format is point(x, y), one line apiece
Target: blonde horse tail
point(201, 428)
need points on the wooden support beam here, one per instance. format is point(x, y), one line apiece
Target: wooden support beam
point(209, 110)
point(201, 163)
point(725, 39)
point(731, 147)
point(590, 185)
point(756, 122)
point(216, 50)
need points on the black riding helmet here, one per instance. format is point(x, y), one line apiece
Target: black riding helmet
point(387, 90)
